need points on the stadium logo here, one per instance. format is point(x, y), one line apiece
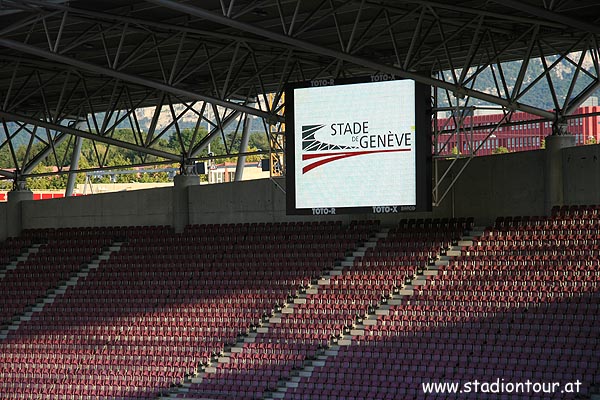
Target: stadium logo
point(318, 153)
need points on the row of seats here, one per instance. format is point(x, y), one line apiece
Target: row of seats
point(325, 316)
point(484, 316)
point(146, 312)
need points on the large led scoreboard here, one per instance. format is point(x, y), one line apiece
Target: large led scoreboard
point(358, 145)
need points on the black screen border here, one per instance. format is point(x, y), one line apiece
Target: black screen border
point(423, 111)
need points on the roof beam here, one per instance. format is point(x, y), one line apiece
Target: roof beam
point(550, 15)
point(135, 79)
point(87, 135)
point(375, 66)
point(7, 174)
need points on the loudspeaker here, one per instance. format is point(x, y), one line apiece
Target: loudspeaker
point(200, 168)
point(265, 164)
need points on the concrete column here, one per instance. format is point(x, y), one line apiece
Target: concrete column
point(181, 201)
point(553, 173)
point(14, 212)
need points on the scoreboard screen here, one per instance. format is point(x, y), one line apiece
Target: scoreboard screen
point(360, 145)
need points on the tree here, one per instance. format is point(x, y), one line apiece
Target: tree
point(500, 150)
point(591, 140)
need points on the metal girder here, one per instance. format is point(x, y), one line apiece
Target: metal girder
point(550, 15)
point(127, 48)
point(583, 96)
point(62, 136)
point(213, 133)
point(340, 55)
point(88, 135)
point(138, 80)
point(8, 174)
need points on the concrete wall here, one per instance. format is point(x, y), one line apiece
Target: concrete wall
point(499, 185)
point(260, 200)
point(582, 175)
point(141, 207)
point(245, 201)
point(3, 221)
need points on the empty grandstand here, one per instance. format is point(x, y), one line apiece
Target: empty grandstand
point(302, 310)
point(378, 259)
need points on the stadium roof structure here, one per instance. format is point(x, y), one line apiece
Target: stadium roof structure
point(80, 68)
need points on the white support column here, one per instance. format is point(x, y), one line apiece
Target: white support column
point(73, 167)
point(241, 161)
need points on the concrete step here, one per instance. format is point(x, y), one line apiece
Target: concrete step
point(383, 310)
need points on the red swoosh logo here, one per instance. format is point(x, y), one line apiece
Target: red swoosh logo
point(330, 157)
